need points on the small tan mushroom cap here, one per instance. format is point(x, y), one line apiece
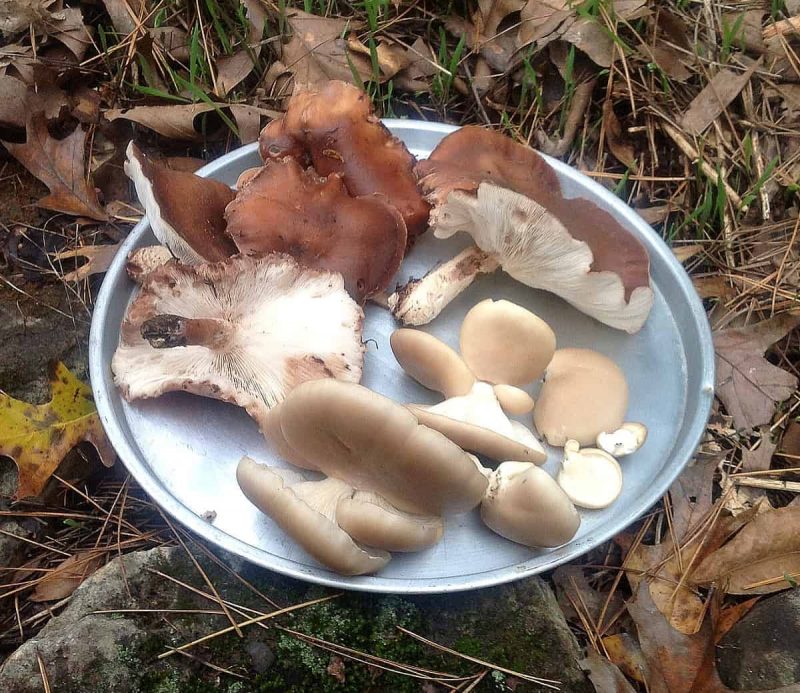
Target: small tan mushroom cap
point(370, 519)
point(513, 400)
point(584, 394)
point(590, 477)
point(502, 342)
point(305, 511)
point(431, 362)
point(524, 504)
point(375, 444)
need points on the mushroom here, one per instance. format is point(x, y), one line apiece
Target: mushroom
point(185, 211)
point(431, 362)
point(245, 330)
point(306, 511)
point(584, 394)
point(476, 422)
point(524, 504)
point(370, 519)
point(502, 342)
point(626, 440)
point(508, 198)
point(590, 477)
point(142, 261)
point(286, 209)
point(513, 400)
point(374, 444)
point(335, 130)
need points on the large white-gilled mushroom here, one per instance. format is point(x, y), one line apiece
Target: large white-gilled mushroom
point(245, 330)
point(584, 394)
point(375, 444)
point(524, 504)
point(590, 477)
point(626, 440)
point(185, 211)
point(510, 201)
point(306, 511)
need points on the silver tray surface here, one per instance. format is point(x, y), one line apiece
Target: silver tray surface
point(183, 450)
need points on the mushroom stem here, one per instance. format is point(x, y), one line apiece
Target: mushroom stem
point(421, 300)
point(168, 331)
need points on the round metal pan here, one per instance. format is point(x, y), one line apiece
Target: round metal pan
point(183, 449)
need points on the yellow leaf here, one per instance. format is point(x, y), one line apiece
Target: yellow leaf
point(38, 436)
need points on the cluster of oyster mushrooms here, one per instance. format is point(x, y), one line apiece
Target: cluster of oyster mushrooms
point(255, 296)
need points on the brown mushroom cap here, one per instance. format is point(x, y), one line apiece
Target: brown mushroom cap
point(286, 209)
point(431, 362)
point(371, 520)
point(246, 330)
point(335, 130)
point(502, 342)
point(306, 510)
point(524, 504)
point(374, 444)
point(472, 155)
point(185, 211)
point(584, 394)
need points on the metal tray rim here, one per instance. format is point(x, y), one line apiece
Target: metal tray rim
point(102, 385)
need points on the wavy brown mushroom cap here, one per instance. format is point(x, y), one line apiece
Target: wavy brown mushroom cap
point(375, 444)
point(335, 130)
point(473, 155)
point(287, 209)
point(185, 211)
point(244, 331)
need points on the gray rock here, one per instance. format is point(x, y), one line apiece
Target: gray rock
point(762, 651)
point(81, 649)
point(261, 655)
point(12, 541)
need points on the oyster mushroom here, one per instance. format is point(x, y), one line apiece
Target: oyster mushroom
point(502, 342)
point(286, 209)
point(524, 504)
point(374, 444)
point(626, 440)
point(584, 394)
point(335, 130)
point(306, 511)
point(245, 331)
point(510, 201)
point(590, 477)
point(142, 261)
point(185, 211)
point(513, 400)
point(476, 422)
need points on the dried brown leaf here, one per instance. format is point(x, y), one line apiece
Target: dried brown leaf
point(541, 18)
point(765, 549)
point(317, 53)
point(422, 66)
point(730, 616)
point(671, 61)
point(706, 107)
point(391, 57)
point(790, 443)
point(98, 260)
point(248, 121)
point(621, 147)
point(67, 27)
point(67, 576)
point(232, 69)
point(604, 675)
point(713, 286)
point(17, 15)
point(13, 98)
point(576, 595)
point(59, 164)
point(745, 27)
point(624, 652)
point(747, 384)
point(174, 122)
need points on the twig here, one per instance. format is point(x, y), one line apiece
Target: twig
point(772, 484)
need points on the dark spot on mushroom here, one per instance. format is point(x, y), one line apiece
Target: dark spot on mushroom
point(16, 451)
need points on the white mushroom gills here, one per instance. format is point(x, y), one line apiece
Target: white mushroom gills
point(626, 440)
point(590, 477)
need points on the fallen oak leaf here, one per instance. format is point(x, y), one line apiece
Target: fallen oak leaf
point(746, 383)
point(60, 165)
point(624, 652)
point(38, 436)
point(605, 675)
point(67, 576)
point(620, 146)
point(232, 69)
point(759, 558)
point(98, 260)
